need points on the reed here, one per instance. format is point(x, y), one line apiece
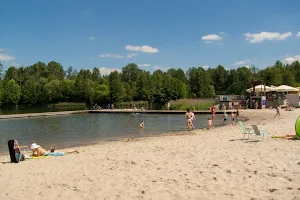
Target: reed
point(198, 104)
point(68, 104)
point(132, 104)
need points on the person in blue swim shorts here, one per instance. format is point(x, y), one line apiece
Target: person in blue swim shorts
point(37, 150)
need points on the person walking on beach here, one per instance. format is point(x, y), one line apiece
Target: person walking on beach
point(188, 117)
point(277, 111)
point(237, 114)
point(232, 117)
point(225, 117)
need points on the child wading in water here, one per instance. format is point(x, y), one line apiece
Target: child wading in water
point(210, 124)
point(142, 124)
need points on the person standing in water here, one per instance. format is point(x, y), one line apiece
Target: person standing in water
point(188, 117)
point(210, 124)
point(193, 119)
point(212, 110)
point(142, 125)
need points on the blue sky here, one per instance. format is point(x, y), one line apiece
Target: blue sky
point(153, 34)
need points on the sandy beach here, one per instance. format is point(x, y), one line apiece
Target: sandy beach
point(215, 164)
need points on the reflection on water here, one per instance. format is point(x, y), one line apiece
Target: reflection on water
point(83, 129)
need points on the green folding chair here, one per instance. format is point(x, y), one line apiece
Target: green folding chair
point(246, 131)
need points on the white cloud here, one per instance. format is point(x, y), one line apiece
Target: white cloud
point(6, 57)
point(111, 55)
point(107, 71)
point(144, 65)
point(1, 49)
point(92, 38)
point(130, 55)
point(205, 67)
point(144, 49)
point(298, 34)
point(290, 60)
point(242, 62)
point(210, 38)
point(260, 37)
point(162, 68)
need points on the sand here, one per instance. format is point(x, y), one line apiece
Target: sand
point(214, 164)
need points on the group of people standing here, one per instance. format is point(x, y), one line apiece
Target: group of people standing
point(190, 118)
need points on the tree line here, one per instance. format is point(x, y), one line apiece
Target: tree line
point(43, 83)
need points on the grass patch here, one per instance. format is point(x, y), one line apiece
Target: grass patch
point(198, 104)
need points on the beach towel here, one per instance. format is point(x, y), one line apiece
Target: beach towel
point(55, 154)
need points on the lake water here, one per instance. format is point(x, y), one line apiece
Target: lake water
point(35, 109)
point(83, 129)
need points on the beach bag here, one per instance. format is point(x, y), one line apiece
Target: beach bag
point(15, 152)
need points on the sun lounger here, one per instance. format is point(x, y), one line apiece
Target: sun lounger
point(258, 132)
point(246, 131)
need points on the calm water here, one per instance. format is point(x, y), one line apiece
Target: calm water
point(82, 129)
point(34, 109)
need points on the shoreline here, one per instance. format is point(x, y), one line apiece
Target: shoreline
point(214, 164)
point(59, 113)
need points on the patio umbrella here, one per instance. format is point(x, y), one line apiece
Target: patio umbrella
point(285, 88)
point(259, 88)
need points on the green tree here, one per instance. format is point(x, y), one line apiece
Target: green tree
point(100, 94)
point(13, 91)
point(83, 85)
point(96, 74)
point(1, 71)
point(117, 90)
point(11, 73)
point(31, 91)
point(52, 91)
point(145, 87)
point(245, 78)
point(199, 81)
point(68, 89)
point(55, 71)
point(38, 70)
point(220, 79)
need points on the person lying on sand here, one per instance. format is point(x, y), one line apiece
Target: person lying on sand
point(37, 150)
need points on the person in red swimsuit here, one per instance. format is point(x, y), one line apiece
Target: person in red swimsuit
point(212, 109)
